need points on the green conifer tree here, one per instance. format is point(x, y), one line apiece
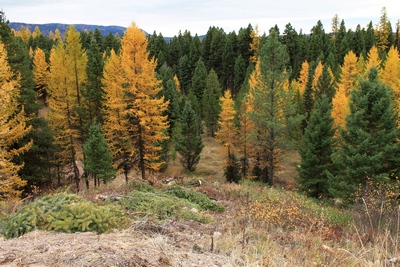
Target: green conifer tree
point(268, 100)
point(93, 92)
point(239, 75)
point(171, 96)
point(228, 61)
point(188, 141)
point(98, 161)
point(325, 84)
point(316, 150)
point(184, 74)
point(370, 144)
point(291, 40)
point(199, 79)
point(369, 38)
point(211, 102)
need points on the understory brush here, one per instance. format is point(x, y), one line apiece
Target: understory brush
point(274, 227)
point(62, 212)
point(171, 202)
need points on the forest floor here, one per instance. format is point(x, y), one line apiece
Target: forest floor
point(144, 243)
point(232, 238)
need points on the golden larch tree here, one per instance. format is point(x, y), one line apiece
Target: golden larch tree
point(62, 102)
point(55, 36)
point(382, 31)
point(347, 81)
point(303, 78)
point(177, 84)
point(361, 65)
point(390, 75)
point(76, 61)
point(36, 32)
point(40, 72)
point(143, 108)
point(116, 125)
point(246, 127)
point(317, 74)
point(227, 135)
point(255, 44)
point(228, 132)
point(373, 60)
point(12, 128)
point(24, 33)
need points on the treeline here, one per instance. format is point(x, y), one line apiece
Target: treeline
point(146, 101)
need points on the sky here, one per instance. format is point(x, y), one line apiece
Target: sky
point(168, 17)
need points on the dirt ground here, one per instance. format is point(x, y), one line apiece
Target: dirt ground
point(144, 244)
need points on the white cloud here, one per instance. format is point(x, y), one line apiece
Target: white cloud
point(168, 17)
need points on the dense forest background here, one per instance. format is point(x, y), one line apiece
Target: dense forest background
point(135, 101)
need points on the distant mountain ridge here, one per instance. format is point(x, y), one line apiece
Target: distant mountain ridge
point(46, 28)
point(51, 27)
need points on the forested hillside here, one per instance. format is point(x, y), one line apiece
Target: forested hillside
point(236, 149)
point(135, 102)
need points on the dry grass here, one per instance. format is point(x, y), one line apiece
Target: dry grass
point(308, 238)
point(210, 166)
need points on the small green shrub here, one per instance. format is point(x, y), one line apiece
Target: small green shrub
point(141, 186)
point(162, 206)
point(62, 212)
point(150, 202)
point(195, 197)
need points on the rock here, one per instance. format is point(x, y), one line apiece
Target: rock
point(216, 235)
point(194, 210)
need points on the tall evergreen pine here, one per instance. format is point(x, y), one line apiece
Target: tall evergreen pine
point(188, 141)
point(316, 150)
point(369, 147)
point(211, 103)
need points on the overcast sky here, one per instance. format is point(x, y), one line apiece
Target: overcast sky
point(170, 16)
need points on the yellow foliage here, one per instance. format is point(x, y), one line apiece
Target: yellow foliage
point(24, 33)
point(255, 44)
point(177, 84)
point(228, 132)
point(37, 32)
point(12, 128)
point(382, 31)
point(373, 59)
point(138, 104)
point(317, 74)
point(303, 79)
point(255, 80)
point(115, 126)
point(62, 102)
point(361, 65)
point(347, 81)
point(390, 75)
point(40, 71)
point(76, 61)
point(55, 36)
